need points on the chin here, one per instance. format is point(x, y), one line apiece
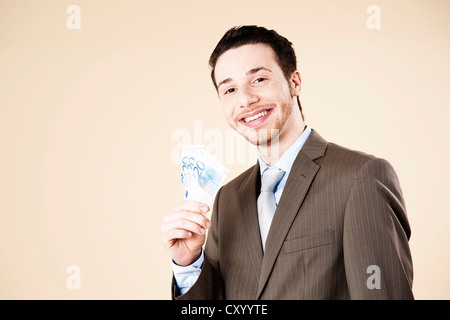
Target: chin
point(261, 137)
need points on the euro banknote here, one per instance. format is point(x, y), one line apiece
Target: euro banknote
point(201, 174)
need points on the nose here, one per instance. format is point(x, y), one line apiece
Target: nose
point(247, 97)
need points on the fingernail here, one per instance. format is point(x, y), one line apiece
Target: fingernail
point(208, 224)
point(204, 209)
point(202, 231)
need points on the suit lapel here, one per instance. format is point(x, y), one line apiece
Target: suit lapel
point(247, 196)
point(300, 178)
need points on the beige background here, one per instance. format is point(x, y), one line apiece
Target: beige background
point(87, 117)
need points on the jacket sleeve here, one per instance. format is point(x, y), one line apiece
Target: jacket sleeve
point(378, 263)
point(209, 285)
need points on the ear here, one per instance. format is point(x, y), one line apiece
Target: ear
point(295, 83)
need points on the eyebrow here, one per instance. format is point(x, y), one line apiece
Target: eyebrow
point(249, 72)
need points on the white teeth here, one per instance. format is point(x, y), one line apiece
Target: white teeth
point(256, 116)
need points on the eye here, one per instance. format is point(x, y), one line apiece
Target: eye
point(259, 80)
point(231, 90)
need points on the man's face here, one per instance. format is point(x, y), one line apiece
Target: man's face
point(256, 97)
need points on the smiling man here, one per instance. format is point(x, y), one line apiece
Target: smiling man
point(257, 99)
point(311, 220)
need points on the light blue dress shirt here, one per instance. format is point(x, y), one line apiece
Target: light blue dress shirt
point(187, 276)
point(286, 161)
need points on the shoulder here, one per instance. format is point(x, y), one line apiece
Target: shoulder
point(366, 175)
point(356, 163)
point(236, 183)
point(337, 160)
point(243, 183)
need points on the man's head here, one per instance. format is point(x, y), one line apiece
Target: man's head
point(239, 36)
point(255, 73)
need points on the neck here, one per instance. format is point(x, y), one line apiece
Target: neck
point(271, 152)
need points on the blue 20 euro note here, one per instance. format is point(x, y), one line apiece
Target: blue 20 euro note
point(201, 174)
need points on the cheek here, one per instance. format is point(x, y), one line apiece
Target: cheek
point(229, 106)
point(227, 111)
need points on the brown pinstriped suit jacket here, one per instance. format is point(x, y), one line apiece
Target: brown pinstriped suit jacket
point(341, 211)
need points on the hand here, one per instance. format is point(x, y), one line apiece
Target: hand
point(183, 231)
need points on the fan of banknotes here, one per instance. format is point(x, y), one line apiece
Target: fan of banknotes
point(201, 174)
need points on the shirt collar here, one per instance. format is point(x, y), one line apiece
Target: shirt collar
point(288, 158)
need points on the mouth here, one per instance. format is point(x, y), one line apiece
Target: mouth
point(256, 118)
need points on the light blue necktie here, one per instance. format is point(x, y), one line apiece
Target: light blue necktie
point(266, 200)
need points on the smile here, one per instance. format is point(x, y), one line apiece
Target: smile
point(259, 115)
point(256, 118)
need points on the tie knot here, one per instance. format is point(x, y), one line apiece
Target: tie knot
point(271, 177)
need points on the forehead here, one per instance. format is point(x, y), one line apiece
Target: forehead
point(237, 61)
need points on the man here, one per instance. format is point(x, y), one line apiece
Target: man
point(311, 220)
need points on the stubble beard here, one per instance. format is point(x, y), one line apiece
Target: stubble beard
point(265, 137)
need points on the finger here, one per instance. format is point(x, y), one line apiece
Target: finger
point(191, 216)
point(169, 236)
point(190, 205)
point(185, 225)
